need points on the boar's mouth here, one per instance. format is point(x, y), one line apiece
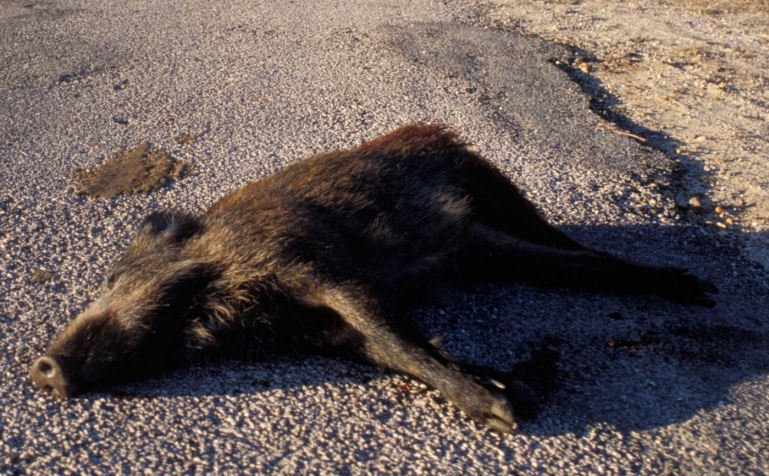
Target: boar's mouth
point(48, 373)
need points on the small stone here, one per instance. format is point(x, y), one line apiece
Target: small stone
point(729, 221)
point(120, 120)
point(40, 276)
point(721, 225)
point(719, 211)
point(584, 67)
point(694, 202)
point(184, 139)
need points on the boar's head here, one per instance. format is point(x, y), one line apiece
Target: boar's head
point(138, 324)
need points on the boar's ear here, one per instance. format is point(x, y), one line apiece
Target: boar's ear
point(172, 226)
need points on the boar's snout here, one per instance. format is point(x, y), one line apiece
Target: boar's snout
point(49, 374)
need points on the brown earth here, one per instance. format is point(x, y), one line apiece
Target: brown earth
point(131, 170)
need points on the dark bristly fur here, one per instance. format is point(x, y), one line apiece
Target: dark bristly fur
point(324, 255)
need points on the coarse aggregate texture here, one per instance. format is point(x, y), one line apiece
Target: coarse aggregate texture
point(642, 385)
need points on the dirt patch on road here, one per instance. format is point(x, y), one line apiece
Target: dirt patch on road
point(694, 71)
point(131, 170)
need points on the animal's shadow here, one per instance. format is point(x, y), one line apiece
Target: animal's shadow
point(635, 362)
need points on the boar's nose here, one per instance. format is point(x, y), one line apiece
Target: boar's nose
point(48, 374)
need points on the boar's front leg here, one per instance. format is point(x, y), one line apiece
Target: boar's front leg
point(383, 345)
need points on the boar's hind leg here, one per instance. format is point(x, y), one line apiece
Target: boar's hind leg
point(386, 347)
point(491, 254)
point(497, 203)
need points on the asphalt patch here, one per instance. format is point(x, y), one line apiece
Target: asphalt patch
point(130, 171)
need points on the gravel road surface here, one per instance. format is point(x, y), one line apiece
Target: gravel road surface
point(631, 384)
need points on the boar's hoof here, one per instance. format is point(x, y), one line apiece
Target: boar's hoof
point(500, 417)
point(48, 374)
point(489, 408)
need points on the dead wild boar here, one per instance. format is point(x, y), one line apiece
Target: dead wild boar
point(325, 255)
